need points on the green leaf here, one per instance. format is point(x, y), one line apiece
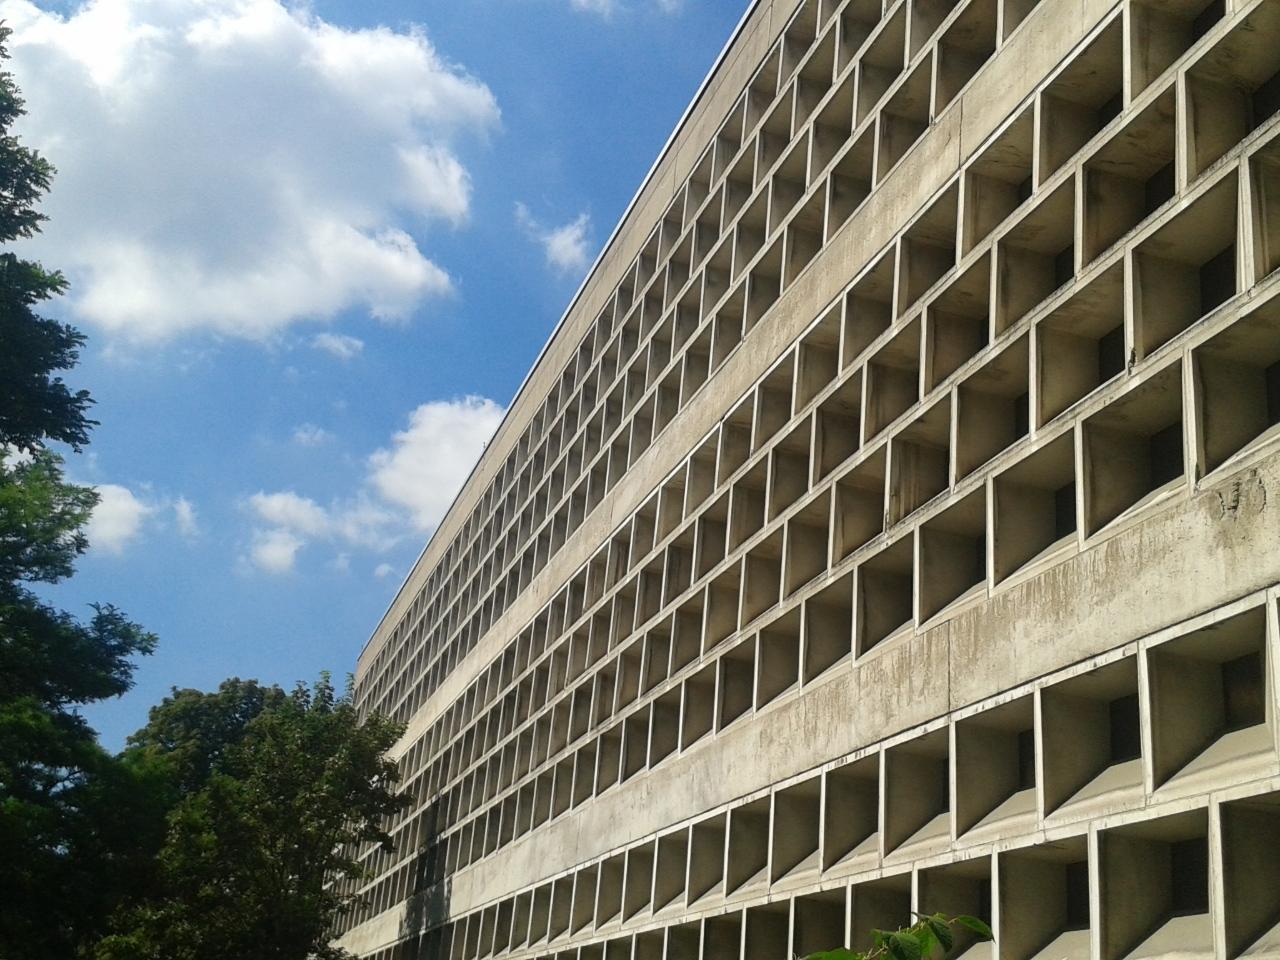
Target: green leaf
point(905, 946)
point(922, 932)
point(977, 926)
point(840, 953)
point(941, 931)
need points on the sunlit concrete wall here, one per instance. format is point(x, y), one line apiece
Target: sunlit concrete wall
point(891, 525)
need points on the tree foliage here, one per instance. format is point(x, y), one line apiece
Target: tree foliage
point(58, 787)
point(44, 518)
point(277, 790)
point(59, 791)
point(35, 404)
point(191, 730)
point(215, 832)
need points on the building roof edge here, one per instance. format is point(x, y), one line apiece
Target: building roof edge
point(573, 302)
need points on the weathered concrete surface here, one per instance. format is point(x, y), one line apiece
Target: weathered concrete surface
point(1153, 488)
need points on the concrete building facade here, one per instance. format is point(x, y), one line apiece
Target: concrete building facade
point(891, 524)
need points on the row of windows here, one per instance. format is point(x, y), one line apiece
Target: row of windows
point(1109, 740)
point(835, 382)
point(709, 349)
point(1129, 162)
point(826, 84)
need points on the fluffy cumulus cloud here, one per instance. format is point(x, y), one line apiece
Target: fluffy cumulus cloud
point(427, 463)
point(408, 486)
point(285, 522)
point(289, 511)
point(123, 517)
point(240, 165)
point(567, 248)
point(117, 520)
point(275, 550)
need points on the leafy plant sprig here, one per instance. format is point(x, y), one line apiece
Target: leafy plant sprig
point(916, 942)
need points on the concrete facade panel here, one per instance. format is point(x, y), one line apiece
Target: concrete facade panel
point(889, 524)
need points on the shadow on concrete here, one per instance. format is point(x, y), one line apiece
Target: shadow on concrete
point(422, 930)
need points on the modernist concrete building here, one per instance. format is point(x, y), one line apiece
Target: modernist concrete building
point(892, 522)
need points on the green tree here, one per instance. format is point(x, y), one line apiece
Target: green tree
point(191, 731)
point(54, 778)
point(218, 829)
point(35, 405)
point(277, 791)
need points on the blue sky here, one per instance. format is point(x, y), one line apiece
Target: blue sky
point(316, 248)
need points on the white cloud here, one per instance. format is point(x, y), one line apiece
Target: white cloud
point(426, 464)
point(238, 166)
point(567, 248)
point(338, 344)
point(383, 570)
point(408, 486)
point(310, 435)
point(437, 182)
point(184, 515)
point(117, 520)
point(608, 7)
point(286, 522)
point(289, 511)
point(275, 551)
point(365, 523)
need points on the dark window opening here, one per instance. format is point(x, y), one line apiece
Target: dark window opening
point(1126, 743)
